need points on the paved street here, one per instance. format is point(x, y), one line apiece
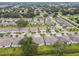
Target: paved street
point(62, 22)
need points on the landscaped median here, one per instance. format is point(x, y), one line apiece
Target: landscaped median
point(75, 24)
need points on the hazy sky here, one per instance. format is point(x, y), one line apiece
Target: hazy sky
point(39, 0)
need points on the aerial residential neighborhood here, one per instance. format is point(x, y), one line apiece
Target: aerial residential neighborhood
point(39, 28)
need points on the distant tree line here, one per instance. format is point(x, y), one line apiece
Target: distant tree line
point(15, 13)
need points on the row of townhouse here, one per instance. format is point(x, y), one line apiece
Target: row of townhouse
point(12, 21)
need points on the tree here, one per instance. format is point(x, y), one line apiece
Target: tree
point(77, 20)
point(55, 14)
point(59, 48)
point(45, 15)
point(37, 12)
point(22, 23)
point(29, 48)
point(48, 30)
point(30, 13)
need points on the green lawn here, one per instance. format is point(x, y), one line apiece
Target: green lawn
point(45, 50)
point(72, 50)
point(8, 26)
point(32, 26)
point(10, 51)
point(72, 54)
point(42, 50)
point(68, 50)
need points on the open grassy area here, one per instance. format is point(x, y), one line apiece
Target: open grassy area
point(69, 50)
point(42, 50)
point(8, 26)
point(74, 48)
point(10, 51)
point(46, 50)
point(32, 26)
point(72, 54)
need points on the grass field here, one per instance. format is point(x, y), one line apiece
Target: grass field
point(46, 50)
point(70, 50)
point(10, 51)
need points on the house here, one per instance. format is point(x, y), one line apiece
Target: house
point(8, 24)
